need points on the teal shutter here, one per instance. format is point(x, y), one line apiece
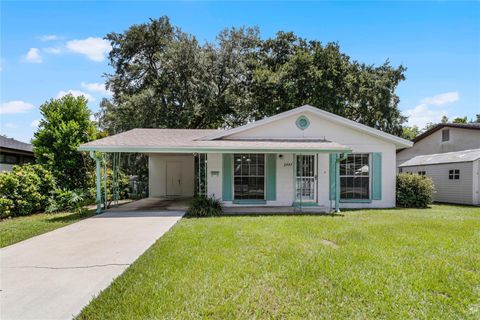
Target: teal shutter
point(271, 176)
point(227, 177)
point(331, 170)
point(376, 176)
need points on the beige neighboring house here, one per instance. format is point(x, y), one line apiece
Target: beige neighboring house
point(449, 154)
point(14, 152)
point(444, 137)
point(304, 157)
point(456, 175)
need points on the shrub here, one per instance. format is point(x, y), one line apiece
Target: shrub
point(6, 206)
point(66, 200)
point(414, 191)
point(202, 206)
point(28, 188)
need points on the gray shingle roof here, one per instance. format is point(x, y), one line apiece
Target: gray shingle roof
point(472, 126)
point(145, 140)
point(449, 157)
point(11, 143)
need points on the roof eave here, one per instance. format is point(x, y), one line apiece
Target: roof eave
point(139, 149)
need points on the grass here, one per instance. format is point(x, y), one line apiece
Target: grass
point(401, 263)
point(20, 228)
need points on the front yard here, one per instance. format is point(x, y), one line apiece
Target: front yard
point(21, 228)
point(364, 264)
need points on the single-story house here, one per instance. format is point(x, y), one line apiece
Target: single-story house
point(301, 157)
point(456, 175)
point(442, 138)
point(14, 152)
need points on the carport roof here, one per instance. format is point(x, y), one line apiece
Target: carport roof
point(438, 158)
point(190, 140)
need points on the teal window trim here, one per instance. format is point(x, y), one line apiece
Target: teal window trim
point(252, 201)
point(227, 177)
point(271, 178)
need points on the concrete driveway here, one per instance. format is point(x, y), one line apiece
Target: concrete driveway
point(56, 274)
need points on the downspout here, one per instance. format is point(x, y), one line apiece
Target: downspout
point(98, 179)
point(340, 157)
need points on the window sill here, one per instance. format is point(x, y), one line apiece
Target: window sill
point(247, 201)
point(355, 201)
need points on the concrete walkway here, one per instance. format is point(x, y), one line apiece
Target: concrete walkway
point(56, 274)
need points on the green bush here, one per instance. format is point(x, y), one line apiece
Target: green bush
point(414, 191)
point(66, 200)
point(202, 206)
point(25, 190)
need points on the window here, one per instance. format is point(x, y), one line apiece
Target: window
point(9, 158)
point(454, 174)
point(421, 173)
point(355, 177)
point(445, 135)
point(249, 176)
point(400, 170)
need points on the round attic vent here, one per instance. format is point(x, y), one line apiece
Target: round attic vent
point(302, 122)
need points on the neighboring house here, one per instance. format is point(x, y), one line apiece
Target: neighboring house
point(13, 152)
point(290, 159)
point(444, 137)
point(455, 174)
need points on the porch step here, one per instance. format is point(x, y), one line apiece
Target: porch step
point(274, 210)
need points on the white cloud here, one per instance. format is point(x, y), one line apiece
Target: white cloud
point(35, 123)
point(52, 50)
point(48, 37)
point(94, 48)
point(96, 87)
point(10, 125)
point(16, 106)
point(428, 112)
point(441, 99)
point(422, 114)
point(76, 93)
point(33, 56)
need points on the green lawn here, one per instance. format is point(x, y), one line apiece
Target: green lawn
point(20, 228)
point(376, 264)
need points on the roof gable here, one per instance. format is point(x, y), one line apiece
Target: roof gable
point(307, 109)
point(472, 126)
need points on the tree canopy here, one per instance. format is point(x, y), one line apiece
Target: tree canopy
point(164, 78)
point(65, 125)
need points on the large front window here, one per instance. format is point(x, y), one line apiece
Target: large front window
point(249, 176)
point(355, 177)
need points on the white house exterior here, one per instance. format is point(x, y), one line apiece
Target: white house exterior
point(304, 157)
point(456, 175)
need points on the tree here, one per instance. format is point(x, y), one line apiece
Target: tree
point(410, 133)
point(477, 118)
point(444, 119)
point(460, 120)
point(164, 78)
point(65, 125)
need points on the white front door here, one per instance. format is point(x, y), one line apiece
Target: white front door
point(174, 179)
point(305, 178)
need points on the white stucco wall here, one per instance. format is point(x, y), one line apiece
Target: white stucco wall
point(460, 139)
point(214, 182)
point(358, 141)
point(157, 174)
point(319, 128)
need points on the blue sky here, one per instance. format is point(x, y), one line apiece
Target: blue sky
point(50, 48)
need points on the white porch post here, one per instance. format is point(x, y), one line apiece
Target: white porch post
point(98, 180)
